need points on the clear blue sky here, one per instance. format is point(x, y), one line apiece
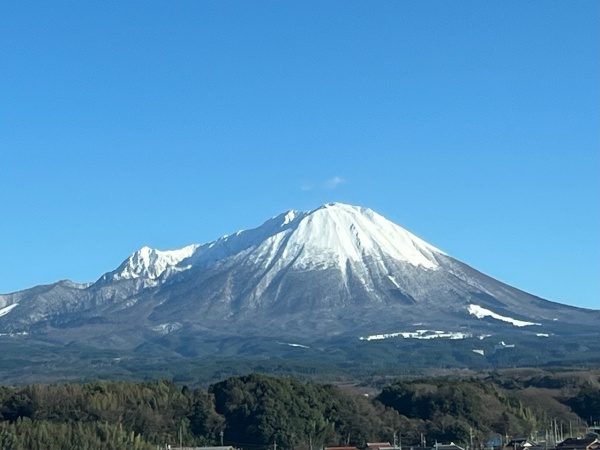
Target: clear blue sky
point(474, 125)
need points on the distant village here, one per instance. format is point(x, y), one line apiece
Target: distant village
point(541, 441)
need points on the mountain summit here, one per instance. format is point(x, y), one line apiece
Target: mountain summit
point(336, 235)
point(339, 272)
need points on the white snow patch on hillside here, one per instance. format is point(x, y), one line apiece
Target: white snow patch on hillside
point(419, 334)
point(4, 311)
point(480, 313)
point(394, 282)
point(293, 345)
point(166, 328)
point(19, 333)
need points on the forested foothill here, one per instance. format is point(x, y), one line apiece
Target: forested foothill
point(254, 411)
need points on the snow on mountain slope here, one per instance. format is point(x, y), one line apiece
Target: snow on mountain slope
point(329, 236)
point(4, 311)
point(339, 233)
point(481, 312)
point(352, 241)
point(150, 263)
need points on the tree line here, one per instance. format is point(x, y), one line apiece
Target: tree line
point(255, 411)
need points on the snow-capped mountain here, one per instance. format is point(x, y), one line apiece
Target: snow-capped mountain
point(338, 272)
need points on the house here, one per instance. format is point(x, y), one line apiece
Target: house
point(520, 444)
point(225, 447)
point(341, 448)
point(585, 443)
point(379, 446)
point(450, 446)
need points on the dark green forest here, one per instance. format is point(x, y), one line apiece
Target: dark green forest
point(253, 411)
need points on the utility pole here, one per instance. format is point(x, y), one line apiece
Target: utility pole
point(221, 435)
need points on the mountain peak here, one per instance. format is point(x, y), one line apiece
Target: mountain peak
point(331, 235)
point(338, 206)
point(353, 232)
point(150, 263)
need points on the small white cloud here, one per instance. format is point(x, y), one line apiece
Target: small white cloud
point(332, 183)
